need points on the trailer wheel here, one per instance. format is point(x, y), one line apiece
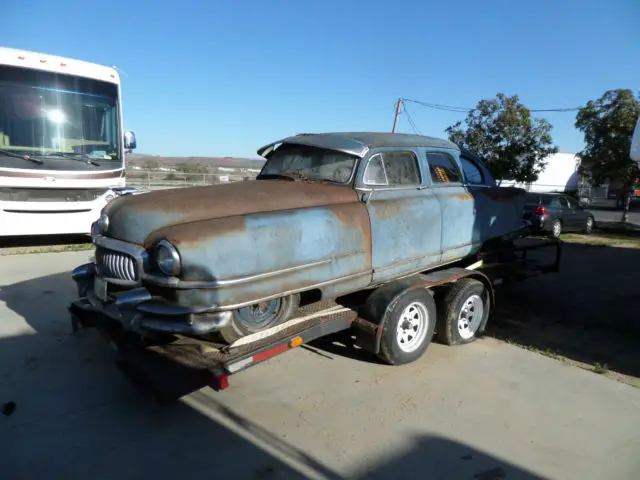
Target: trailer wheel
point(261, 316)
point(407, 327)
point(464, 313)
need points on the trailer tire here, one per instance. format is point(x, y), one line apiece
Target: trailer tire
point(413, 311)
point(240, 325)
point(467, 297)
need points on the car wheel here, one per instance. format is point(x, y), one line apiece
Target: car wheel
point(409, 323)
point(464, 312)
point(556, 229)
point(588, 227)
point(259, 317)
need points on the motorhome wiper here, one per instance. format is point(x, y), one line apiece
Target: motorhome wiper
point(78, 157)
point(23, 156)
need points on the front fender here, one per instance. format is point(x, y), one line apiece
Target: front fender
point(242, 258)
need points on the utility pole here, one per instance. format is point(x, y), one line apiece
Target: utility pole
point(395, 120)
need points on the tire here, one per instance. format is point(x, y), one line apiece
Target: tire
point(556, 229)
point(244, 322)
point(464, 312)
point(419, 309)
point(588, 227)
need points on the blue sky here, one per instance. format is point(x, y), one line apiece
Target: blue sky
point(222, 78)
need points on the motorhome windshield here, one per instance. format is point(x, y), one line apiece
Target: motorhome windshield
point(62, 122)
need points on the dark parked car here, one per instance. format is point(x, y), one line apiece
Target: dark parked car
point(554, 213)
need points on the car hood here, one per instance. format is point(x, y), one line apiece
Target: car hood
point(133, 218)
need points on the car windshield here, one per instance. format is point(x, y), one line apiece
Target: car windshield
point(312, 163)
point(66, 122)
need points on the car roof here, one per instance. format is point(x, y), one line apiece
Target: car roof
point(359, 143)
point(548, 194)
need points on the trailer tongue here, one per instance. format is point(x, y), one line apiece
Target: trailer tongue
point(385, 321)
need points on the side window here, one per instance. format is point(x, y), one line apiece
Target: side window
point(443, 168)
point(375, 174)
point(572, 203)
point(472, 173)
point(392, 169)
point(562, 201)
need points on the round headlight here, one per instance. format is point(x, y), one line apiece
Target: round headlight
point(167, 258)
point(103, 223)
point(108, 198)
point(95, 230)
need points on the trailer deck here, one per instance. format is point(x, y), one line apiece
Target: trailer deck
point(184, 364)
point(179, 365)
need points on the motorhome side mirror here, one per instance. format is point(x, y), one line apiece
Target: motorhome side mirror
point(130, 141)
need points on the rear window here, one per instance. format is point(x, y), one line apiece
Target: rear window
point(531, 199)
point(534, 199)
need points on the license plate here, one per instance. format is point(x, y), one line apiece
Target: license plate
point(100, 288)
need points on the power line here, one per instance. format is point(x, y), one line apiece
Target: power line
point(451, 108)
point(410, 119)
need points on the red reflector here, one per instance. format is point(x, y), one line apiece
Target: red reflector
point(63, 64)
point(20, 57)
point(259, 357)
point(220, 382)
point(540, 211)
point(42, 60)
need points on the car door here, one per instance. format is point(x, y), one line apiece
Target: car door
point(578, 216)
point(568, 215)
point(457, 205)
point(404, 213)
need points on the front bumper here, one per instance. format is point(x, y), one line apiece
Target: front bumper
point(138, 311)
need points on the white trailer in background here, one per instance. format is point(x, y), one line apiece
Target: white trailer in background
point(62, 144)
point(560, 175)
point(635, 144)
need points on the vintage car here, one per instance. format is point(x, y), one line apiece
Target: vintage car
point(329, 214)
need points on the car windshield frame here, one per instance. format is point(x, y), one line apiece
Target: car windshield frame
point(309, 163)
point(69, 122)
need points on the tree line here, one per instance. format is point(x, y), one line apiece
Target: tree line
point(515, 145)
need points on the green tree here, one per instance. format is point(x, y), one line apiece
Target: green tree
point(502, 132)
point(607, 124)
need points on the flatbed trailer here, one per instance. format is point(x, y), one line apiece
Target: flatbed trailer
point(174, 366)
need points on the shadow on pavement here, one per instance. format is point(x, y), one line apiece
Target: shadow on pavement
point(435, 457)
point(42, 240)
point(586, 312)
point(76, 416)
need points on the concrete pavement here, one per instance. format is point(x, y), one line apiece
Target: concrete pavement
point(486, 410)
point(611, 215)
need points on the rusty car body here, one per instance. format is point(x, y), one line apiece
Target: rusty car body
point(329, 214)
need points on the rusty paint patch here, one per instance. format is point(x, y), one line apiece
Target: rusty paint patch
point(355, 214)
point(193, 233)
point(133, 218)
point(460, 196)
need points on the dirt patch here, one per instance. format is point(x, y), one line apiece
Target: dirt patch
point(78, 247)
point(587, 314)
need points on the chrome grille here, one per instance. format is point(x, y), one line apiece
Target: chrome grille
point(116, 265)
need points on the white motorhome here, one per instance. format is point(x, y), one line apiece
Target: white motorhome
point(62, 144)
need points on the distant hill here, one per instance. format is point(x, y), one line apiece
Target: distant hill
point(154, 161)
